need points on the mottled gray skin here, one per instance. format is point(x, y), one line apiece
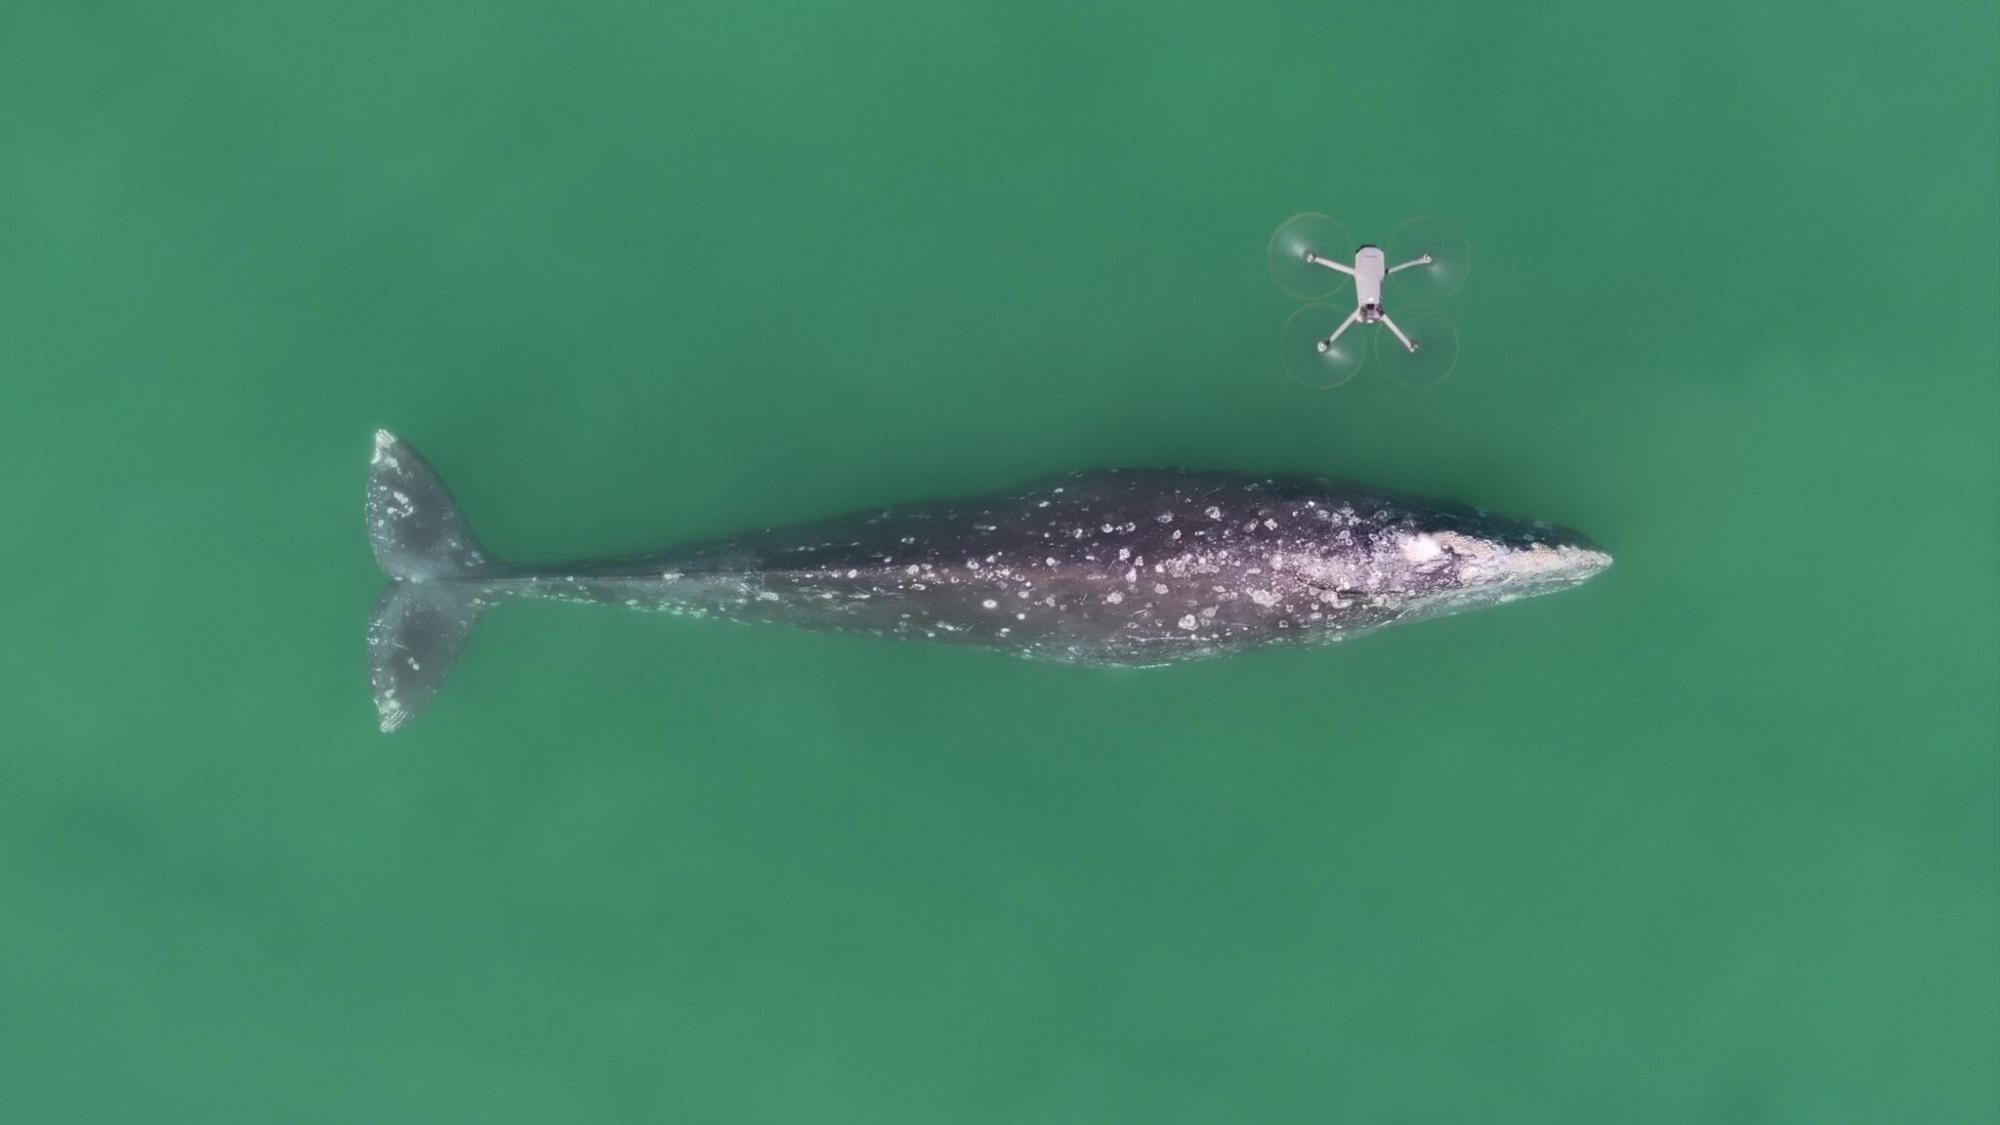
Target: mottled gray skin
point(1133, 567)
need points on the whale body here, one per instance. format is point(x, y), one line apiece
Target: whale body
point(1108, 567)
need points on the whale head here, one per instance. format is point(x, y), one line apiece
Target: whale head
point(1421, 558)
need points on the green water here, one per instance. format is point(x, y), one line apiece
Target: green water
point(1713, 838)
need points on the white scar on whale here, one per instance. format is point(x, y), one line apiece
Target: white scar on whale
point(1135, 567)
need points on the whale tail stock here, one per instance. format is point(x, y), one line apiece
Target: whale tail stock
point(437, 580)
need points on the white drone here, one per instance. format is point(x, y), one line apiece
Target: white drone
point(1368, 274)
point(1309, 257)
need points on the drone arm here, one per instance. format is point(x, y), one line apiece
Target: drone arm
point(1344, 326)
point(1423, 261)
point(1315, 260)
point(1399, 334)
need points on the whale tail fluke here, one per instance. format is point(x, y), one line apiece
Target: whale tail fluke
point(437, 580)
point(413, 640)
point(413, 523)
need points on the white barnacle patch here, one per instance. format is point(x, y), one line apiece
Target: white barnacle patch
point(1165, 517)
point(1159, 587)
point(910, 569)
point(1115, 596)
point(1264, 598)
point(393, 715)
point(989, 603)
point(1214, 512)
point(1270, 524)
point(1208, 611)
point(403, 508)
point(1420, 549)
point(767, 596)
point(1188, 623)
point(1124, 553)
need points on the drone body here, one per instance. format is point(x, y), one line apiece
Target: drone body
point(1370, 268)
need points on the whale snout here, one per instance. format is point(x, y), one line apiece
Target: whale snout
point(1493, 551)
point(1545, 554)
point(1577, 550)
point(1556, 562)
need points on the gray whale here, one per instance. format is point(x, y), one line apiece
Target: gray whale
point(1112, 567)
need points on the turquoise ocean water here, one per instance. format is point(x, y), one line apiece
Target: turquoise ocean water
point(1713, 838)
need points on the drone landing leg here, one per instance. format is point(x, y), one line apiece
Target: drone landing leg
point(1423, 261)
point(1399, 334)
point(1313, 259)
